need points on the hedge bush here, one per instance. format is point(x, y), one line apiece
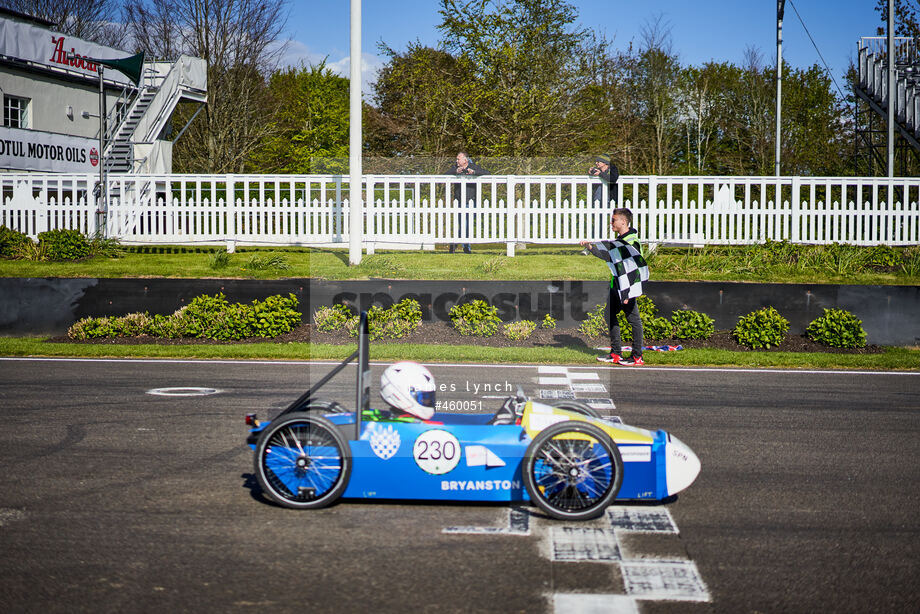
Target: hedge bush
point(328, 319)
point(690, 324)
point(65, 244)
point(519, 330)
point(595, 324)
point(475, 318)
point(210, 317)
point(12, 243)
point(837, 328)
point(763, 328)
point(394, 322)
point(653, 329)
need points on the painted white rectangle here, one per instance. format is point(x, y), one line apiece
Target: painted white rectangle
point(589, 375)
point(636, 454)
point(553, 381)
point(551, 369)
point(599, 403)
point(585, 544)
point(580, 603)
point(589, 388)
point(556, 394)
point(641, 519)
point(518, 524)
point(671, 580)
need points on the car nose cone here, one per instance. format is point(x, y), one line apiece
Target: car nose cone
point(681, 465)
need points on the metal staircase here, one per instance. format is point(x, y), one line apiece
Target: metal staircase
point(140, 114)
point(872, 84)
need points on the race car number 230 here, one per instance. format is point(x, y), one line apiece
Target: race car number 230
point(436, 451)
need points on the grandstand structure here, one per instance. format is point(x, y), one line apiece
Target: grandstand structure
point(872, 87)
point(50, 96)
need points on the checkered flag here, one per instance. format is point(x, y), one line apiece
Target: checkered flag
point(627, 265)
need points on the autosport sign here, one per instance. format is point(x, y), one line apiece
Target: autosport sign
point(34, 150)
point(39, 45)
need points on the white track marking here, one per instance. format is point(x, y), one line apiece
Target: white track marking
point(641, 519)
point(664, 580)
point(579, 544)
point(580, 603)
point(573, 375)
point(183, 391)
point(518, 524)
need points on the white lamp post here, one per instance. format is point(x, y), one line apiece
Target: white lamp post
point(356, 199)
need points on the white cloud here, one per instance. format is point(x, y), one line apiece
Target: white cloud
point(370, 65)
point(296, 54)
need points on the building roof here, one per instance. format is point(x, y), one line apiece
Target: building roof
point(5, 12)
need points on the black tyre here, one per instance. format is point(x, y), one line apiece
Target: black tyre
point(302, 461)
point(578, 407)
point(572, 470)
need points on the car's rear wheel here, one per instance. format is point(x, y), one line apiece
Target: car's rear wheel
point(572, 470)
point(577, 407)
point(302, 461)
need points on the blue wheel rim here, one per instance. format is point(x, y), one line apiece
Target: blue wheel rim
point(302, 462)
point(573, 474)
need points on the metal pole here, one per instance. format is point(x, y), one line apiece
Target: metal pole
point(780, 5)
point(891, 82)
point(102, 205)
point(354, 141)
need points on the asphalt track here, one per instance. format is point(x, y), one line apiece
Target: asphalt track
point(116, 500)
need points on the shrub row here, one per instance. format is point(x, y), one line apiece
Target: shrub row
point(207, 317)
point(764, 328)
point(55, 245)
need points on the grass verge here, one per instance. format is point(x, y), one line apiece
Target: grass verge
point(894, 358)
point(817, 264)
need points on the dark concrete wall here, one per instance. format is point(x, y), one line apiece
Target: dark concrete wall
point(890, 314)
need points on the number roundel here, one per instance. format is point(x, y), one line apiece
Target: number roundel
point(436, 451)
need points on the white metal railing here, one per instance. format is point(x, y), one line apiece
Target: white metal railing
point(421, 210)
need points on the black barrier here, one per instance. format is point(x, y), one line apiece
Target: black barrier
point(890, 314)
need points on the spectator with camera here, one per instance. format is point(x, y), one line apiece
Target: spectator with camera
point(605, 170)
point(464, 194)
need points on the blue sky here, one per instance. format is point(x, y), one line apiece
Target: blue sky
point(701, 30)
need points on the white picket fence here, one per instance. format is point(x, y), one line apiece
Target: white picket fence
point(406, 211)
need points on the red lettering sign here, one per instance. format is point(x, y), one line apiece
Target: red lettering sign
point(59, 56)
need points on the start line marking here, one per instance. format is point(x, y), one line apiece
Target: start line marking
point(185, 391)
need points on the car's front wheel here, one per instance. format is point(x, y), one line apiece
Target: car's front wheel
point(572, 470)
point(302, 461)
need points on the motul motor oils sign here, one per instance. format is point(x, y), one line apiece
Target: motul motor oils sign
point(33, 150)
point(38, 45)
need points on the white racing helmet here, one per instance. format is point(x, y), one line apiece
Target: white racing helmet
point(408, 386)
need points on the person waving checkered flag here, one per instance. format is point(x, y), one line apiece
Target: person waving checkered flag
point(627, 266)
point(628, 270)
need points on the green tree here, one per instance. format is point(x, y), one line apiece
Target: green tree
point(311, 121)
point(816, 129)
point(506, 81)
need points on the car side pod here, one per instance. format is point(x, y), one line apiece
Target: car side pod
point(681, 465)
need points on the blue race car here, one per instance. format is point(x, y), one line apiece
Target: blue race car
point(564, 458)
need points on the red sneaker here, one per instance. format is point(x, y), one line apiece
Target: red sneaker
point(632, 361)
point(614, 358)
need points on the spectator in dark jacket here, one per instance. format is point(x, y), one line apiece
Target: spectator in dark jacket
point(464, 194)
point(608, 173)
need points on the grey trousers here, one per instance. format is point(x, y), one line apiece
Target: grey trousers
point(614, 306)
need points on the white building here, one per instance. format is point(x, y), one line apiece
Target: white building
point(51, 97)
